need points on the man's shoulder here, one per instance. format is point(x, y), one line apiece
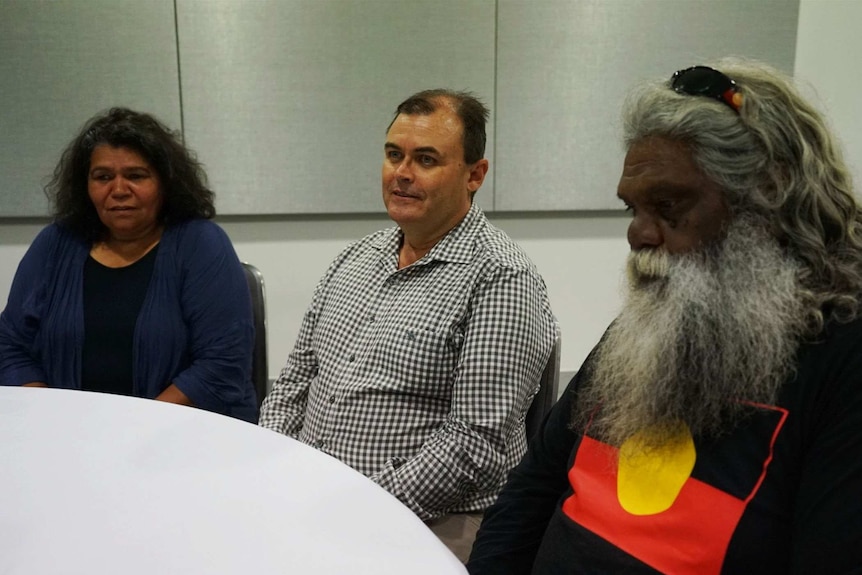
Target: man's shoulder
point(837, 336)
point(829, 364)
point(373, 242)
point(839, 343)
point(378, 237)
point(495, 245)
point(361, 252)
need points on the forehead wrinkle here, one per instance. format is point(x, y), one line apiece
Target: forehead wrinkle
point(129, 158)
point(657, 164)
point(415, 130)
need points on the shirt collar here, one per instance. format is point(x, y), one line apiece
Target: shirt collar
point(456, 246)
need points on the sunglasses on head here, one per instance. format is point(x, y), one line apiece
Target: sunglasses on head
point(706, 81)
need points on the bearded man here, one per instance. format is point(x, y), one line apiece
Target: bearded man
point(717, 426)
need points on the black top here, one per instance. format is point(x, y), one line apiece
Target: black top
point(113, 298)
point(780, 494)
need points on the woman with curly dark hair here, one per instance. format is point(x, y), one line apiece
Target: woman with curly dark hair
point(132, 289)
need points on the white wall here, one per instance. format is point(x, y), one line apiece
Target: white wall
point(580, 256)
point(828, 44)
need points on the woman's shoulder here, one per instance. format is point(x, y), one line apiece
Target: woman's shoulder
point(197, 232)
point(197, 226)
point(196, 241)
point(55, 236)
point(53, 253)
point(54, 232)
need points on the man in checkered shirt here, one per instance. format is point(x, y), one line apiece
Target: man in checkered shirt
point(424, 343)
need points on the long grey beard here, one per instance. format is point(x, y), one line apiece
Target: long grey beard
point(698, 335)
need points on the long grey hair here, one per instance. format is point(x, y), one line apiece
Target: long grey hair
point(777, 160)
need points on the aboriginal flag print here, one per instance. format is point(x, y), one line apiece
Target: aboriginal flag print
point(640, 506)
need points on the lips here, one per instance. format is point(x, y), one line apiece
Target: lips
point(403, 194)
point(121, 208)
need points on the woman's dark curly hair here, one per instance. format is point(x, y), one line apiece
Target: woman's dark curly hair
point(182, 179)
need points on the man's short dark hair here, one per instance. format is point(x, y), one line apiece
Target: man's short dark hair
point(467, 106)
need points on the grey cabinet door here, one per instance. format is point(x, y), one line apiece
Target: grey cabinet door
point(287, 101)
point(61, 63)
point(564, 67)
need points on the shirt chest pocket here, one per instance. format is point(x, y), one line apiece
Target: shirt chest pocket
point(421, 361)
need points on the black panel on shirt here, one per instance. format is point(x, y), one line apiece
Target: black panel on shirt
point(113, 298)
point(803, 518)
point(569, 549)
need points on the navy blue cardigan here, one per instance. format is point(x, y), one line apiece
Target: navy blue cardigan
point(194, 330)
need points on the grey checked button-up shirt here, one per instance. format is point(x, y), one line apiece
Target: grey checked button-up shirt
point(421, 377)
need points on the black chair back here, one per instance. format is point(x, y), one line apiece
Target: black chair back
point(547, 395)
point(259, 370)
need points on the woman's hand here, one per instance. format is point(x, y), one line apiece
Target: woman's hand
point(173, 395)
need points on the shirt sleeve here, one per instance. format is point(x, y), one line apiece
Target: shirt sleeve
point(283, 410)
point(513, 527)
point(508, 336)
point(20, 320)
point(827, 515)
point(216, 306)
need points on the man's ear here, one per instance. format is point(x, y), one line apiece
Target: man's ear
point(477, 175)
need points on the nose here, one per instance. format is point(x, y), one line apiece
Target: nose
point(404, 171)
point(119, 186)
point(644, 232)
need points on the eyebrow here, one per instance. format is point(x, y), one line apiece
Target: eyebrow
point(96, 168)
point(666, 189)
point(420, 150)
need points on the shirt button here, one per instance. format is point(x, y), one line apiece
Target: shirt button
point(331, 399)
point(351, 357)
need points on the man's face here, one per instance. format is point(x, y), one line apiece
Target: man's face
point(703, 331)
point(674, 206)
point(426, 184)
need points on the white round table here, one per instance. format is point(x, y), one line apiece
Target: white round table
point(100, 484)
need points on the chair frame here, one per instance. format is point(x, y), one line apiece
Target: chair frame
point(546, 397)
point(259, 367)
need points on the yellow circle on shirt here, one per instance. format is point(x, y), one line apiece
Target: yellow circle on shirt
point(650, 477)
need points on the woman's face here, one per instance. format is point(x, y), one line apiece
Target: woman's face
point(126, 192)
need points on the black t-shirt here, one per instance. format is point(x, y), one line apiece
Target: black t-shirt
point(781, 493)
point(113, 298)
